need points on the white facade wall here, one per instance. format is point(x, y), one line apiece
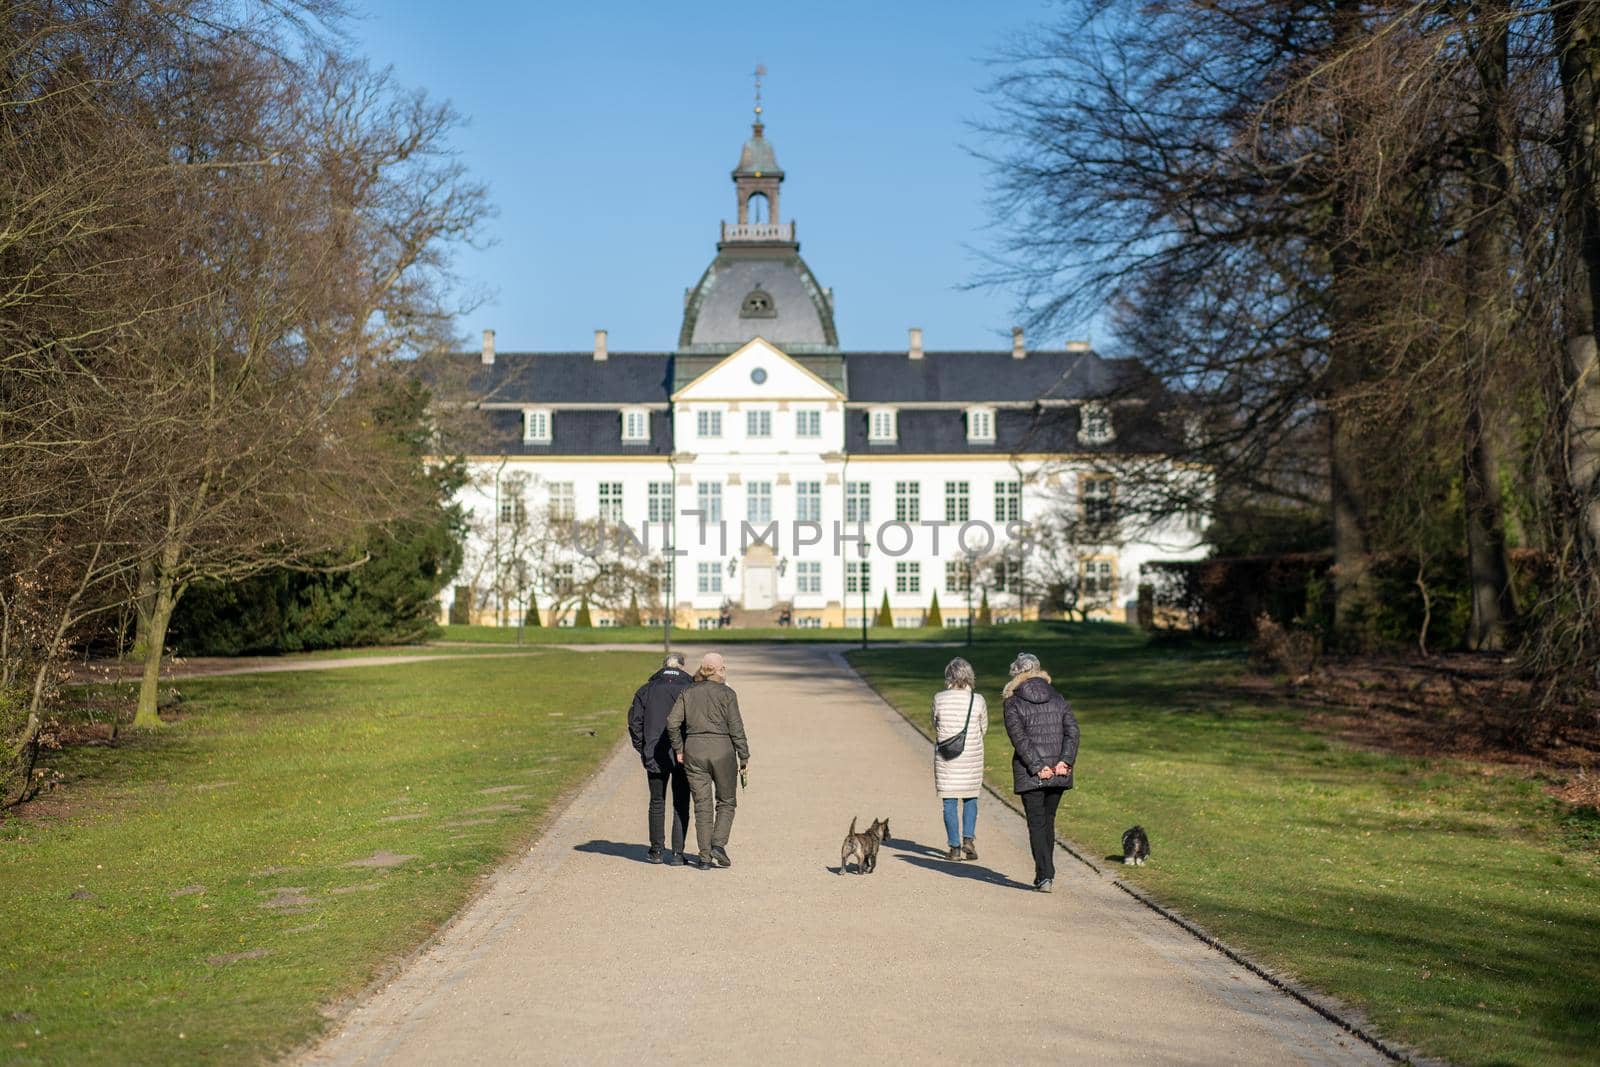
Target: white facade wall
point(759, 479)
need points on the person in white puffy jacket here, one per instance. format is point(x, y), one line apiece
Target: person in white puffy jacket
point(959, 706)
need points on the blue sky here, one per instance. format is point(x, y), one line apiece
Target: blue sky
point(606, 132)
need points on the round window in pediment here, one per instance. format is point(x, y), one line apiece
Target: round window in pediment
point(758, 305)
point(759, 375)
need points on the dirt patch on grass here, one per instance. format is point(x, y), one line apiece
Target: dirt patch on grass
point(288, 900)
point(381, 859)
point(1461, 706)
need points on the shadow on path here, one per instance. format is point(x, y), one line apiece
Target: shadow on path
point(620, 849)
point(964, 869)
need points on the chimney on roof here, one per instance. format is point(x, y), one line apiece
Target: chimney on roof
point(488, 347)
point(915, 351)
point(600, 354)
point(1017, 349)
point(1078, 346)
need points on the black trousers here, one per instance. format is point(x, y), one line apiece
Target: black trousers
point(658, 806)
point(1040, 807)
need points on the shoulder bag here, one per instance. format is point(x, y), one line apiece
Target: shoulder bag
point(953, 746)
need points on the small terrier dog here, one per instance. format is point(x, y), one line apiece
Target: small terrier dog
point(863, 848)
point(1135, 847)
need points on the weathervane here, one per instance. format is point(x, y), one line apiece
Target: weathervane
point(761, 72)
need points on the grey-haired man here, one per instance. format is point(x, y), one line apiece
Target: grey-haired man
point(647, 728)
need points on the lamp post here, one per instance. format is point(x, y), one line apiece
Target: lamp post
point(969, 599)
point(861, 580)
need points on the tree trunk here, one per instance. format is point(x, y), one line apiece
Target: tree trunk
point(1578, 41)
point(1347, 368)
point(155, 612)
point(1494, 606)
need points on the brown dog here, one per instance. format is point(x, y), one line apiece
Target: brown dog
point(863, 848)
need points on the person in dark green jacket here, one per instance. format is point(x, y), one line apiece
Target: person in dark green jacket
point(707, 737)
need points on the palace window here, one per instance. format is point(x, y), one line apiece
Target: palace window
point(561, 501)
point(708, 495)
point(1095, 429)
point(980, 424)
point(808, 576)
point(561, 579)
point(956, 576)
point(758, 302)
point(1099, 580)
point(708, 578)
point(758, 501)
point(536, 426)
point(611, 501)
point(1007, 501)
point(957, 503)
point(857, 576)
point(808, 501)
point(907, 577)
point(636, 426)
point(1099, 499)
point(708, 423)
point(881, 425)
point(660, 502)
point(758, 424)
point(858, 502)
point(808, 424)
point(512, 509)
point(908, 501)
point(1008, 575)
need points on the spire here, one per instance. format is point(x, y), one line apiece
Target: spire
point(761, 72)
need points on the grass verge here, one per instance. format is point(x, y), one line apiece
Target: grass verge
point(199, 895)
point(1456, 904)
point(651, 635)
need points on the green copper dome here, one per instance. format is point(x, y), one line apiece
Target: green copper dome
point(757, 157)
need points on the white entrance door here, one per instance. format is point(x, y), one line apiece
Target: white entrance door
point(760, 591)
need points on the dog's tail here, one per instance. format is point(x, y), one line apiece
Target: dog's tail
point(852, 832)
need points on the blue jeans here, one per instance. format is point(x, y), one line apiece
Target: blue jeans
point(969, 819)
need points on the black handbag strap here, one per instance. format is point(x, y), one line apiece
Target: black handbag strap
point(970, 700)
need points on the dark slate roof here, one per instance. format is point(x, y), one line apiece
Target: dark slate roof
point(804, 314)
point(562, 377)
point(966, 377)
point(586, 432)
point(1017, 430)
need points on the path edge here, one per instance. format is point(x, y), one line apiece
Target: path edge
point(337, 1013)
point(1346, 1018)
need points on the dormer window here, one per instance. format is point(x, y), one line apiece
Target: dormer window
point(636, 426)
point(758, 305)
point(1095, 428)
point(536, 426)
point(881, 425)
point(980, 425)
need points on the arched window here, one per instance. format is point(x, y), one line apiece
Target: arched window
point(758, 305)
point(757, 210)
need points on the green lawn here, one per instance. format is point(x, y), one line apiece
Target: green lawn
point(263, 793)
point(1459, 908)
point(651, 635)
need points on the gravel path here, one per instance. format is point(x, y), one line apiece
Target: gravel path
point(581, 952)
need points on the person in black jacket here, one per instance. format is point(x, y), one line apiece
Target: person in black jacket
point(647, 727)
point(1044, 735)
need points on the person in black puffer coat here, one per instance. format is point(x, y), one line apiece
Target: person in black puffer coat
point(1044, 735)
point(647, 729)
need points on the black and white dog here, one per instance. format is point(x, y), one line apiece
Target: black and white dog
point(1135, 847)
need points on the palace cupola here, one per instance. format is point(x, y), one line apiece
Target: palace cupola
point(758, 286)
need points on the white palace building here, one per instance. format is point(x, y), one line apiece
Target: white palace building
point(756, 461)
